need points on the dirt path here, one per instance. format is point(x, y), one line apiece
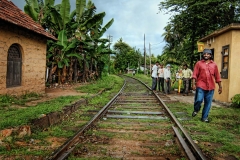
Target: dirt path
point(69, 90)
point(190, 99)
point(58, 91)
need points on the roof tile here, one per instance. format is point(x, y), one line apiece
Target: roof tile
point(11, 13)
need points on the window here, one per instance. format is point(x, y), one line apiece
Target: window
point(14, 66)
point(225, 60)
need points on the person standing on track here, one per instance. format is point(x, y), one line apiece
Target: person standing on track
point(154, 76)
point(161, 78)
point(204, 73)
point(167, 78)
point(186, 77)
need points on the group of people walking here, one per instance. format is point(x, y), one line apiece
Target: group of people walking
point(204, 76)
point(161, 78)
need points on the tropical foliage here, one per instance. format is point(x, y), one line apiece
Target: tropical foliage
point(192, 20)
point(126, 56)
point(79, 50)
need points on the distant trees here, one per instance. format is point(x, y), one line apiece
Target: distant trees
point(192, 20)
point(126, 56)
point(79, 50)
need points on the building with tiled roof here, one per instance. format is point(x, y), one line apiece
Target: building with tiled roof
point(12, 14)
point(224, 44)
point(23, 47)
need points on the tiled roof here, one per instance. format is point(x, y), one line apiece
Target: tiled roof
point(232, 26)
point(11, 13)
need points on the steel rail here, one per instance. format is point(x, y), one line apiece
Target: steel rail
point(184, 145)
point(195, 149)
point(64, 151)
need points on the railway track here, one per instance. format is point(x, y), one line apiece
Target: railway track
point(135, 124)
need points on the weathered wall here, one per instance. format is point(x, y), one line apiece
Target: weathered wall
point(33, 50)
point(231, 85)
point(234, 65)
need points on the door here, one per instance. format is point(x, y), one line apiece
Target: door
point(14, 66)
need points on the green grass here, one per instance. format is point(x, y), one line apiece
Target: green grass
point(8, 100)
point(65, 129)
point(224, 128)
point(106, 83)
point(25, 115)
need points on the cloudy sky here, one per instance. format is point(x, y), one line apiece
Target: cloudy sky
point(132, 19)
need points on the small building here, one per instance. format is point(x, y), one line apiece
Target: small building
point(224, 44)
point(23, 46)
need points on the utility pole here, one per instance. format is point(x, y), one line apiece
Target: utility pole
point(109, 63)
point(144, 57)
point(150, 66)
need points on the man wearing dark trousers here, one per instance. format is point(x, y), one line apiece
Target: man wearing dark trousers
point(161, 78)
point(154, 76)
point(205, 75)
point(186, 77)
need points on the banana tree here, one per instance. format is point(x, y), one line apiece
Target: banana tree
point(42, 13)
point(100, 44)
point(64, 50)
point(74, 29)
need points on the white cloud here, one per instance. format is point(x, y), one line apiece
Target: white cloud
point(132, 19)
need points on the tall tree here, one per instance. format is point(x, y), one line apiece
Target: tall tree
point(125, 56)
point(74, 31)
point(194, 19)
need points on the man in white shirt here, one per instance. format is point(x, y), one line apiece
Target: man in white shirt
point(154, 76)
point(161, 78)
point(167, 78)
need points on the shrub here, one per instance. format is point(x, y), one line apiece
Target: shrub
point(236, 100)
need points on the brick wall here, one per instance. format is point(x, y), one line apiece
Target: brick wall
point(33, 50)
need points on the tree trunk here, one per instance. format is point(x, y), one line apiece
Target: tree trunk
point(84, 68)
point(70, 73)
point(91, 66)
point(64, 74)
point(59, 76)
point(75, 70)
point(50, 79)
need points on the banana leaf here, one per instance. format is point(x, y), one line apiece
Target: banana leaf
point(92, 21)
point(49, 2)
point(80, 6)
point(31, 12)
point(62, 39)
point(70, 46)
point(65, 12)
point(77, 55)
point(104, 29)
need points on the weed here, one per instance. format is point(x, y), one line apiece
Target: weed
point(236, 100)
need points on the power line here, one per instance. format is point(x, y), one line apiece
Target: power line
point(157, 48)
point(156, 44)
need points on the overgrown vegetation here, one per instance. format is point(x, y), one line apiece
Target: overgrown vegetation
point(67, 128)
point(106, 83)
point(236, 100)
point(8, 100)
point(25, 115)
point(189, 22)
point(80, 53)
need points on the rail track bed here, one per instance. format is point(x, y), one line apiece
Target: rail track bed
point(136, 124)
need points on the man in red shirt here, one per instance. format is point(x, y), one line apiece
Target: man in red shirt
point(204, 73)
